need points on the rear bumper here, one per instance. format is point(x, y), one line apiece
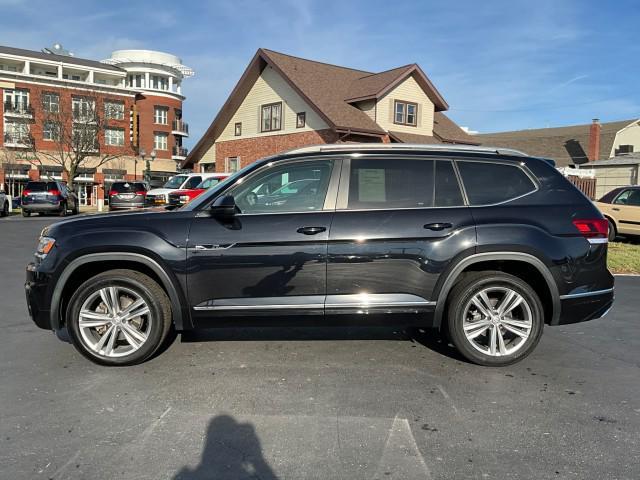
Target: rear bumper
point(125, 206)
point(36, 292)
point(42, 207)
point(582, 307)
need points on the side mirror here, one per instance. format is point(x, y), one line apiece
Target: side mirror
point(223, 207)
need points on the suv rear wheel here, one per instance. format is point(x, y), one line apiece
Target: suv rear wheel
point(495, 319)
point(119, 317)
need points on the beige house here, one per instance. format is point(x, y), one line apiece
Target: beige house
point(283, 102)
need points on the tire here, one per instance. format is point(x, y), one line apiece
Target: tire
point(5, 210)
point(25, 213)
point(76, 210)
point(63, 210)
point(526, 317)
point(613, 231)
point(152, 324)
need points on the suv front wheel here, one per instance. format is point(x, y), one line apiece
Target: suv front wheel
point(495, 319)
point(119, 317)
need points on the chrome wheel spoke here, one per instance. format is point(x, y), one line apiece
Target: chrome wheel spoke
point(108, 350)
point(493, 337)
point(501, 346)
point(483, 308)
point(103, 339)
point(136, 309)
point(133, 335)
point(478, 332)
point(90, 319)
point(515, 331)
point(510, 301)
point(516, 323)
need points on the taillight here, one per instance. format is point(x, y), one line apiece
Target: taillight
point(25, 193)
point(54, 192)
point(142, 192)
point(112, 193)
point(594, 230)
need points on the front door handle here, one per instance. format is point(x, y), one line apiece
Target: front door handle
point(437, 226)
point(615, 209)
point(311, 230)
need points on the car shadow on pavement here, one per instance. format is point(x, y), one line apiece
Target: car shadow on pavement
point(429, 338)
point(231, 451)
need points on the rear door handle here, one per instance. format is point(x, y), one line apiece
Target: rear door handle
point(437, 226)
point(311, 230)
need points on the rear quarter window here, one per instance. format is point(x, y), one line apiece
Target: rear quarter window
point(488, 183)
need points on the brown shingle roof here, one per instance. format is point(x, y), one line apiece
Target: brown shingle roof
point(566, 145)
point(449, 132)
point(329, 89)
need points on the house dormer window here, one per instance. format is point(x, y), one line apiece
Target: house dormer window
point(405, 113)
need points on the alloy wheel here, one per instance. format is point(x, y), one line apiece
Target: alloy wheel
point(114, 321)
point(497, 321)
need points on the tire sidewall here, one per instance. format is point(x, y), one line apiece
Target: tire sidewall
point(456, 312)
point(612, 231)
point(96, 283)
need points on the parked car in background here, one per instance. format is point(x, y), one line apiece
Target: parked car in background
point(182, 181)
point(182, 197)
point(48, 197)
point(127, 195)
point(488, 246)
point(4, 202)
point(621, 208)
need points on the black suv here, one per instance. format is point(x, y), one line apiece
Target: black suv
point(485, 245)
point(48, 197)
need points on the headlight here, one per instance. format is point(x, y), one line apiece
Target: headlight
point(184, 198)
point(44, 246)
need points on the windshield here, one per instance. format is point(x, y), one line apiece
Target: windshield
point(209, 182)
point(175, 181)
point(212, 192)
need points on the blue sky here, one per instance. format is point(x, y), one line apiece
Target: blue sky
point(501, 65)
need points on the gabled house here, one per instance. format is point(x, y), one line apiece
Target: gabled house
point(283, 102)
point(573, 144)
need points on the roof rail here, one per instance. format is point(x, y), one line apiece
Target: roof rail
point(336, 147)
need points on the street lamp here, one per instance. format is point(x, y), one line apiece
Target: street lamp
point(142, 153)
point(147, 173)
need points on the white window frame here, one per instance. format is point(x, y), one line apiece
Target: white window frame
point(114, 110)
point(114, 137)
point(85, 106)
point(49, 99)
point(161, 141)
point(50, 131)
point(160, 115)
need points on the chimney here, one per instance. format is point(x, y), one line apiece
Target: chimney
point(594, 140)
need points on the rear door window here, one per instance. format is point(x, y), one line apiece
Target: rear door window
point(390, 183)
point(488, 183)
point(41, 186)
point(126, 187)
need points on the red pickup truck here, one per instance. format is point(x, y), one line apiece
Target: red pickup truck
point(182, 197)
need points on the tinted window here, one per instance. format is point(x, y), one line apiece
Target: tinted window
point(193, 182)
point(175, 181)
point(41, 186)
point(391, 183)
point(448, 192)
point(608, 197)
point(488, 183)
point(296, 187)
point(126, 187)
point(629, 197)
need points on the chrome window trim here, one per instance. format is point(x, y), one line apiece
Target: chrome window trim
point(586, 294)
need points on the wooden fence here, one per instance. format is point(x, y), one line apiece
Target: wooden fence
point(587, 185)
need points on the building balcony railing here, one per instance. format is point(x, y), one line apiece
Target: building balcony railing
point(179, 153)
point(180, 128)
point(18, 141)
point(18, 109)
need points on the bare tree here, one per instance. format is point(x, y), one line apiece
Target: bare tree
point(74, 130)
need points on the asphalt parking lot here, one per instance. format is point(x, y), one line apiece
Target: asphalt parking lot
point(341, 403)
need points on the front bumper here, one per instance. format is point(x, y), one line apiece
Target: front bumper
point(585, 306)
point(36, 292)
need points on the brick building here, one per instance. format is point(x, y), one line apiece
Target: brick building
point(141, 90)
point(283, 102)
